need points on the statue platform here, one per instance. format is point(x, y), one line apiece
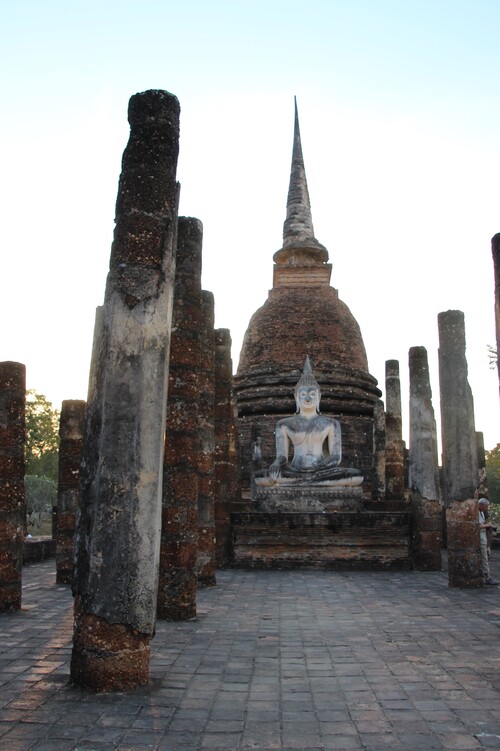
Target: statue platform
point(317, 497)
point(376, 537)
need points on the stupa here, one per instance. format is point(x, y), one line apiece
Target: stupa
point(303, 315)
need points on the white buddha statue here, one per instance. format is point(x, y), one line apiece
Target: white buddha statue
point(316, 441)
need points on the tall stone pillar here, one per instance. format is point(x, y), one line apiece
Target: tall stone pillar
point(226, 463)
point(481, 466)
point(206, 478)
point(179, 535)
point(12, 468)
point(459, 465)
point(394, 451)
point(378, 484)
point(71, 427)
point(495, 249)
point(119, 523)
point(424, 469)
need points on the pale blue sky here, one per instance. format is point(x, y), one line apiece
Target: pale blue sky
point(399, 107)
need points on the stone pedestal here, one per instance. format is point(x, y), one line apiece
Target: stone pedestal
point(426, 523)
point(464, 551)
point(339, 540)
point(313, 498)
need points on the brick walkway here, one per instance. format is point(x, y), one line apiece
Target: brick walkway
point(275, 660)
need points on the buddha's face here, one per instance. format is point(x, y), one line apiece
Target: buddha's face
point(308, 400)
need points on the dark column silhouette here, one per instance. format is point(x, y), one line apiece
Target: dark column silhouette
point(12, 497)
point(71, 427)
point(179, 530)
point(424, 469)
point(206, 487)
point(394, 447)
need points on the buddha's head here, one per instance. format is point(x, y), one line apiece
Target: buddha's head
point(307, 390)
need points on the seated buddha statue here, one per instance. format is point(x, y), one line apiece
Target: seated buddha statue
point(316, 441)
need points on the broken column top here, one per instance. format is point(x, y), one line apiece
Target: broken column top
point(153, 104)
point(147, 200)
point(451, 325)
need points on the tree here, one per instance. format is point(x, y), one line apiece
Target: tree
point(493, 473)
point(41, 497)
point(42, 436)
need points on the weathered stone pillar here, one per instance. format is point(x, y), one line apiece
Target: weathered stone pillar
point(12, 497)
point(495, 249)
point(460, 471)
point(481, 466)
point(119, 521)
point(206, 478)
point(71, 427)
point(394, 451)
point(179, 536)
point(378, 483)
point(424, 469)
point(226, 461)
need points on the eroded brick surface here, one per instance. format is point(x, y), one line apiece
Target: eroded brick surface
point(12, 497)
point(179, 536)
point(71, 425)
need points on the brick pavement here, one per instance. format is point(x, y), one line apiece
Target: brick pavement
point(275, 660)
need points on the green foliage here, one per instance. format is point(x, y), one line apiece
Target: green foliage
point(493, 473)
point(41, 496)
point(42, 436)
point(494, 514)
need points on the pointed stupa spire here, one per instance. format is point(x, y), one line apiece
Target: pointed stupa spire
point(298, 226)
point(298, 230)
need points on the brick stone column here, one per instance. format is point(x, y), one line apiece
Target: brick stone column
point(206, 478)
point(460, 476)
point(71, 427)
point(226, 460)
point(119, 524)
point(379, 440)
point(481, 466)
point(179, 542)
point(424, 470)
point(495, 249)
point(394, 451)
point(12, 468)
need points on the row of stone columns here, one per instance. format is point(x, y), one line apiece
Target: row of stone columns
point(160, 422)
point(461, 480)
point(117, 543)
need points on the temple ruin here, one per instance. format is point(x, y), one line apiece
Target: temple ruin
point(161, 469)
